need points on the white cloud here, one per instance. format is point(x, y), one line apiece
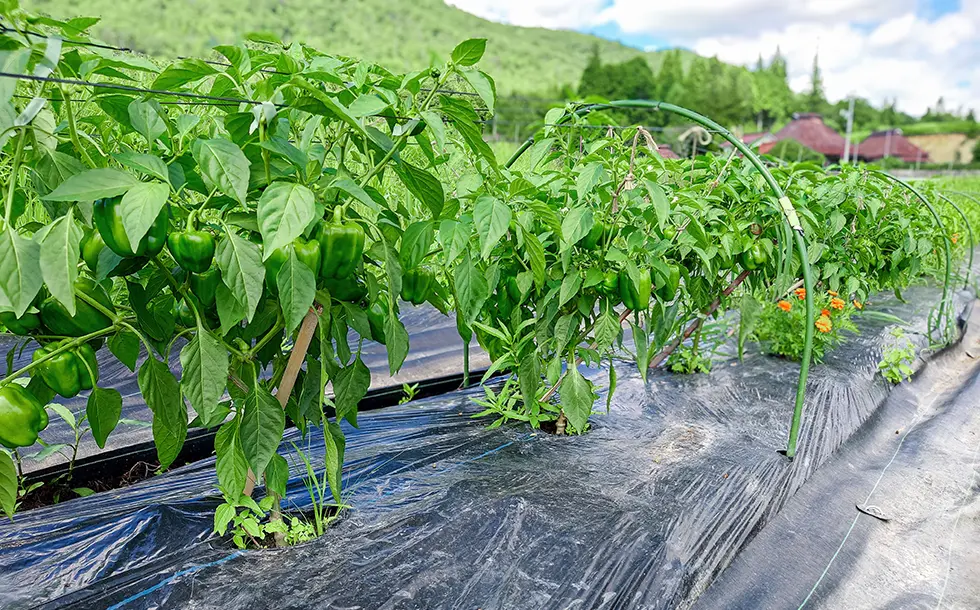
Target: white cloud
point(869, 48)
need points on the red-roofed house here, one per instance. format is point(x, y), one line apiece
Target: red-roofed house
point(809, 130)
point(890, 143)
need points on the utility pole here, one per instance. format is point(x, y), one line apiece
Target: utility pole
point(849, 115)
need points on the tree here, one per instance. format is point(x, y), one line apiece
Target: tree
point(595, 80)
point(814, 99)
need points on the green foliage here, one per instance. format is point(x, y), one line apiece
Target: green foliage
point(896, 358)
point(791, 150)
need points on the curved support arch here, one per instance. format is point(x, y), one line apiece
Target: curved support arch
point(944, 314)
point(972, 199)
point(790, 218)
point(969, 232)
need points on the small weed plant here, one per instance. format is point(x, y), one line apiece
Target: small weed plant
point(896, 360)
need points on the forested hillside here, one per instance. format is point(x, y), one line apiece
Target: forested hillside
point(399, 35)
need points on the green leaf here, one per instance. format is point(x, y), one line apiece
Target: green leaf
point(230, 311)
point(12, 62)
point(277, 475)
point(423, 185)
point(182, 72)
point(396, 341)
point(367, 105)
point(241, 268)
point(230, 464)
point(58, 258)
point(577, 398)
point(535, 254)
point(150, 165)
point(659, 200)
point(492, 219)
point(93, 184)
point(354, 190)
point(102, 411)
point(162, 395)
point(204, 361)
point(20, 269)
point(471, 290)
point(223, 516)
point(570, 285)
point(334, 458)
point(577, 224)
point(331, 107)
point(589, 176)
point(125, 346)
point(483, 84)
point(262, 427)
point(469, 51)
point(284, 211)
point(350, 387)
point(416, 241)
point(529, 378)
point(8, 484)
point(437, 128)
point(297, 287)
point(140, 207)
point(224, 165)
point(146, 120)
point(464, 119)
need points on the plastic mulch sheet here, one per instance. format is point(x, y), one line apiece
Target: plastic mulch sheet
point(436, 350)
point(644, 511)
point(892, 521)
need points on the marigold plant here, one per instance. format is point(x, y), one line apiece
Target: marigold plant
point(781, 328)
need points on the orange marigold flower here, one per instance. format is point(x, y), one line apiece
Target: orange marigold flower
point(823, 324)
point(858, 304)
point(825, 312)
point(956, 237)
point(784, 305)
point(832, 293)
point(800, 293)
point(837, 303)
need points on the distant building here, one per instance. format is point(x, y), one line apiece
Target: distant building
point(947, 147)
point(890, 143)
point(809, 130)
point(666, 152)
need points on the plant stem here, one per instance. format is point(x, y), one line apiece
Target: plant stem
point(64, 348)
point(73, 129)
point(266, 338)
point(14, 174)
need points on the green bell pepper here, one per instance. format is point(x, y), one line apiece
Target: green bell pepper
point(193, 250)
point(67, 373)
point(307, 252)
point(108, 219)
point(377, 314)
point(667, 285)
point(205, 286)
point(635, 297)
point(347, 289)
point(87, 319)
point(92, 246)
point(754, 257)
point(185, 315)
point(417, 284)
point(341, 246)
point(22, 417)
point(23, 325)
point(610, 284)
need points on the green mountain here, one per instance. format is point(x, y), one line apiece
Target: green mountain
point(401, 35)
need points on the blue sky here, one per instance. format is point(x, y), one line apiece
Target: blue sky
point(912, 50)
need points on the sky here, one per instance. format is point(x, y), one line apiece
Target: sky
point(912, 50)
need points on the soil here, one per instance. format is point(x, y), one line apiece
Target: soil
point(56, 491)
